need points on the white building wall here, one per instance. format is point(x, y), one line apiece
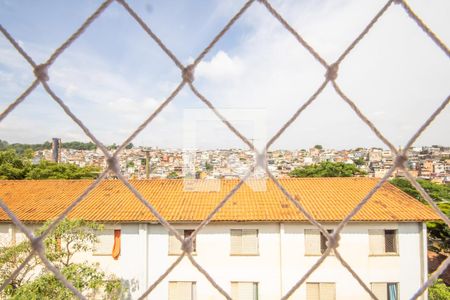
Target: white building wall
point(280, 264)
point(404, 268)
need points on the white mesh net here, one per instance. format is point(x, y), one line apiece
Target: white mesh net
point(187, 79)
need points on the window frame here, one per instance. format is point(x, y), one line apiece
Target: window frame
point(193, 288)
point(386, 286)
point(319, 286)
point(172, 239)
point(241, 252)
point(394, 234)
point(372, 233)
point(106, 229)
point(255, 288)
point(314, 234)
point(323, 242)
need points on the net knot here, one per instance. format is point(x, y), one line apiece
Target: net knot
point(114, 164)
point(37, 245)
point(333, 241)
point(397, 1)
point(400, 160)
point(187, 245)
point(41, 72)
point(188, 73)
point(260, 160)
point(332, 71)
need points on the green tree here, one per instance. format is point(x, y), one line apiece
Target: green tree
point(10, 258)
point(79, 145)
point(36, 282)
point(438, 232)
point(21, 148)
point(439, 291)
point(13, 166)
point(129, 146)
point(208, 166)
point(52, 170)
point(19, 166)
point(112, 147)
point(319, 147)
point(359, 161)
point(172, 175)
point(327, 169)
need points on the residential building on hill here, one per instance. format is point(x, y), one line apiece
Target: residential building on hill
point(256, 247)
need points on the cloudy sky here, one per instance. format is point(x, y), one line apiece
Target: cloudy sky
point(258, 75)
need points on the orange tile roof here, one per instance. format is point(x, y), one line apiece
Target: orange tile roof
point(327, 199)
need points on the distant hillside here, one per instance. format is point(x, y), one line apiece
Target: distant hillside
point(20, 148)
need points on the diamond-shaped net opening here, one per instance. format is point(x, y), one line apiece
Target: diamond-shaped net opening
point(330, 239)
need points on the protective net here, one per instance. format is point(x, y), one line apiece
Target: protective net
point(187, 79)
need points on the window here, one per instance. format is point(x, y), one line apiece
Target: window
point(175, 244)
point(116, 246)
point(383, 241)
point(108, 243)
point(323, 241)
point(390, 245)
point(244, 242)
point(17, 236)
point(320, 291)
point(315, 242)
point(6, 237)
point(385, 290)
point(244, 290)
point(182, 290)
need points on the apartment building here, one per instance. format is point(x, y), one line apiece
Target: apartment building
point(257, 246)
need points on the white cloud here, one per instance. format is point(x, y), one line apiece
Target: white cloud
point(395, 70)
point(220, 67)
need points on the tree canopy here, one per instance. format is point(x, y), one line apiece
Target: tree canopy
point(439, 291)
point(21, 148)
point(327, 169)
point(439, 233)
point(34, 281)
point(19, 166)
point(173, 175)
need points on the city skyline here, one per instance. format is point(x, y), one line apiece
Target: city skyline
point(112, 82)
point(323, 145)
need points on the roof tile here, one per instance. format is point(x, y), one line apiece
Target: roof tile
point(326, 199)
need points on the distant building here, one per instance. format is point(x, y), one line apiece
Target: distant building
point(56, 149)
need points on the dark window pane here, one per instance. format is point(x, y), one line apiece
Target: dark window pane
point(390, 241)
point(323, 241)
point(392, 291)
point(187, 233)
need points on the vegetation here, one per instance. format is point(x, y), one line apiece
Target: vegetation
point(21, 148)
point(19, 166)
point(79, 146)
point(318, 147)
point(439, 233)
point(173, 175)
point(327, 169)
point(36, 282)
point(208, 167)
point(439, 291)
point(359, 161)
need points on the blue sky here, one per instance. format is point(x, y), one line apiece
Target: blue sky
point(114, 75)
